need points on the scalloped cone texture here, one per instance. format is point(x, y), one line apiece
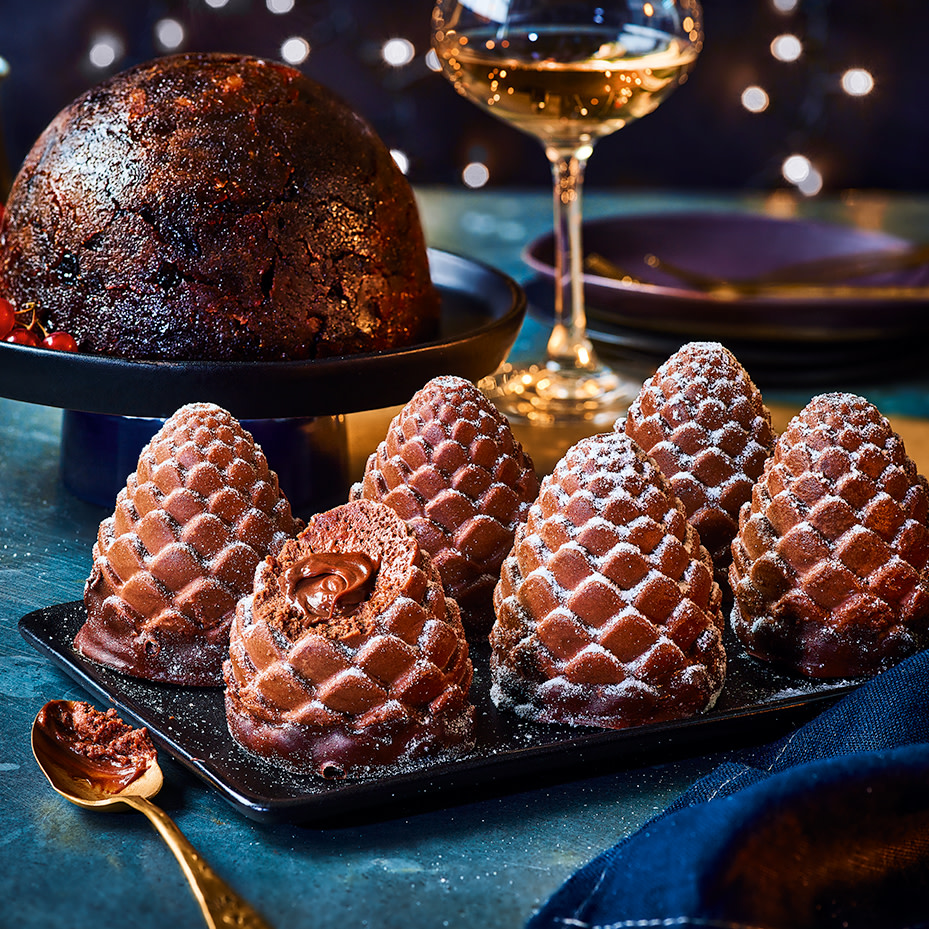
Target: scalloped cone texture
point(190, 527)
point(339, 695)
point(830, 565)
point(452, 468)
point(704, 422)
point(607, 611)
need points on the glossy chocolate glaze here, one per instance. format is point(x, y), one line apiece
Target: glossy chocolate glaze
point(93, 746)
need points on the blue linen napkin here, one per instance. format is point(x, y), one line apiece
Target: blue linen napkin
point(827, 827)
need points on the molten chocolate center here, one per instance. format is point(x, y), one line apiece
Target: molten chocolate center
point(330, 584)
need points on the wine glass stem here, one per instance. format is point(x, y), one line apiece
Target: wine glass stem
point(568, 346)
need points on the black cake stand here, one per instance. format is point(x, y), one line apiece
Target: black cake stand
point(295, 409)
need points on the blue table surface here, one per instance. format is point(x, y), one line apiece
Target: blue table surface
point(483, 862)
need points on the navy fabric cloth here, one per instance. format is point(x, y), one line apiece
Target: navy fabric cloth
point(827, 827)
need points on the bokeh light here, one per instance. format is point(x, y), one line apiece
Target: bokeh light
point(105, 50)
point(857, 82)
point(755, 99)
point(295, 50)
point(475, 174)
point(796, 169)
point(169, 34)
point(398, 52)
point(786, 47)
point(812, 184)
point(401, 158)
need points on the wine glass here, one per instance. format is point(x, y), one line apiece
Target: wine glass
point(567, 72)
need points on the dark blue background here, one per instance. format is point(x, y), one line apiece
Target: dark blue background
point(700, 138)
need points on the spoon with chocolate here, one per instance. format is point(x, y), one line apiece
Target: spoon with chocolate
point(98, 762)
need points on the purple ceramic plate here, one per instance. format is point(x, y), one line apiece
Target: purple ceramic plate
point(735, 246)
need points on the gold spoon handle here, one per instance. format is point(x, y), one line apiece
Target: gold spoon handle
point(221, 905)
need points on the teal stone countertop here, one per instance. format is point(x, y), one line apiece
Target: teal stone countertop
point(485, 861)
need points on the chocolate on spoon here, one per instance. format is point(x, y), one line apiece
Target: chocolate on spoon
point(98, 762)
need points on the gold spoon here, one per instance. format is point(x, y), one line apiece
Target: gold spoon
point(71, 776)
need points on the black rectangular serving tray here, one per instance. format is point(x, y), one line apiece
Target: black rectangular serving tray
point(510, 754)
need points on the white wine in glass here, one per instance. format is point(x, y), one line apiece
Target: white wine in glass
point(567, 72)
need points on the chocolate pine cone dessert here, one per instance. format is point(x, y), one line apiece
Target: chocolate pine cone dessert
point(829, 568)
point(607, 611)
point(704, 422)
point(191, 525)
point(452, 468)
point(214, 206)
point(348, 655)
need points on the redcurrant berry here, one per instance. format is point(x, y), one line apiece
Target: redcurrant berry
point(7, 318)
point(20, 336)
point(60, 341)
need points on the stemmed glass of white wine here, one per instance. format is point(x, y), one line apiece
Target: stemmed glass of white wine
point(567, 72)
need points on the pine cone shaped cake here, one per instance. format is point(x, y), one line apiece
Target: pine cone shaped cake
point(703, 420)
point(829, 570)
point(452, 468)
point(348, 654)
point(607, 611)
point(192, 523)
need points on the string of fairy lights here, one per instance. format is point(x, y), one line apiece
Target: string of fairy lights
point(787, 47)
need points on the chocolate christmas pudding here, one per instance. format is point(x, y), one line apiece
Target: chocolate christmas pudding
point(213, 206)
point(452, 468)
point(830, 568)
point(191, 525)
point(607, 611)
point(704, 422)
point(348, 655)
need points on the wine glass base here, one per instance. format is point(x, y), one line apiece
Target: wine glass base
point(549, 395)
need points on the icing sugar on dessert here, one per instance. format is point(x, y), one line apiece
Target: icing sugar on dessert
point(348, 655)
point(829, 572)
point(607, 611)
point(192, 523)
point(704, 422)
point(452, 468)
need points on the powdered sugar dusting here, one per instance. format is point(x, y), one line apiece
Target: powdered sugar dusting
point(603, 599)
point(829, 572)
point(704, 422)
point(452, 468)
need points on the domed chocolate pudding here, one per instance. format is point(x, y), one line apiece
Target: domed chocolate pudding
point(212, 206)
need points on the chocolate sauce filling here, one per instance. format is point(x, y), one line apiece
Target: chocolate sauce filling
point(329, 584)
point(94, 746)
